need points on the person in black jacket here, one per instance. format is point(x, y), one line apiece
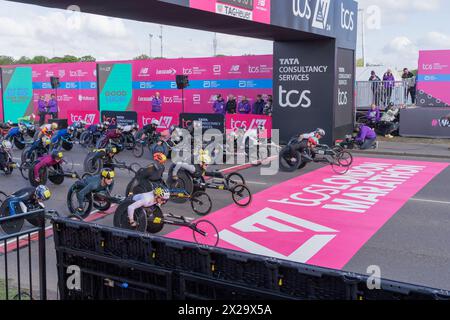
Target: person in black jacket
point(231, 104)
point(376, 87)
point(410, 81)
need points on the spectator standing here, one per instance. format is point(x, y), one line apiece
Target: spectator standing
point(376, 87)
point(389, 83)
point(258, 106)
point(42, 110)
point(244, 106)
point(231, 104)
point(219, 105)
point(410, 82)
point(268, 107)
point(156, 103)
point(53, 106)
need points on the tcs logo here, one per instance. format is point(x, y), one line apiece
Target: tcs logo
point(347, 22)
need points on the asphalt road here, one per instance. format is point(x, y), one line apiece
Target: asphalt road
point(411, 247)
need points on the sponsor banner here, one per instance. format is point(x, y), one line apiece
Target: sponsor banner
point(166, 119)
point(425, 122)
point(303, 71)
point(345, 71)
point(320, 218)
point(17, 92)
point(253, 10)
point(209, 121)
point(123, 118)
point(333, 18)
point(90, 117)
point(1, 98)
point(433, 86)
point(248, 122)
point(196, 101)
point(115, 86)
point(217, 68)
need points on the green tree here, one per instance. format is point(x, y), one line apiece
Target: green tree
point(69, 58)
point(142, 57)
point(6, 60)
point(23, 60)
point(39, 60)
point(87, 59)
point(360, 62)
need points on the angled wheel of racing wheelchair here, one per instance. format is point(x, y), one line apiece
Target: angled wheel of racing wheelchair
point(19, 144)
point(92, 165)
point(121, 217)
point(287, 162)
point(101, 205)
point(155, 219)
point(72, 201)
point(12, 226)
point(43, 175)
point(67, 146)
point(56, 177)
point(184, 182)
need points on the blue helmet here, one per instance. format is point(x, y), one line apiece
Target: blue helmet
point(43, 193)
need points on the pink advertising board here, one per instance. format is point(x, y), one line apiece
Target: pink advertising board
point(433, 87)
point(166, 119)
point(321, 218)
point(240, 76)
point(248, 122)
point(257, 10)
point(78, 88)
point(88, 116)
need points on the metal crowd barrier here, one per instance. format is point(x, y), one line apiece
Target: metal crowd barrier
point(379, 92)
point(122, 265)
point(16, 274)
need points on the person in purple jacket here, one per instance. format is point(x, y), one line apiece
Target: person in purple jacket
point(373, 114)
point(389, 83)
point(53, 106)
point(366, 138)
point(42, 110)
point(244, 106)
point(156, 103)
point(219, 105)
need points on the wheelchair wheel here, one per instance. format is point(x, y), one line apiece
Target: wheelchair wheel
point(92, 165)
point(101, 205)
point(155, 219)
point(345, 158)
point(205, 233)
point(138, 150)
point(241, 195)
point(72, 201)
point(121, 218)
point(57, 179)
point(12, 226)
point(67, 146)
point(201, 203)
point(180, 185)
point(287, 162)
point(43, 175)
point(234, 179)
point(19, 144)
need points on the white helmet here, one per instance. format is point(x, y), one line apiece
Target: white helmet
point(320, 131)
point(7, 145)
point(155, 122)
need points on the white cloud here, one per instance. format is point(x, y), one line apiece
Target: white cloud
point(434, 40)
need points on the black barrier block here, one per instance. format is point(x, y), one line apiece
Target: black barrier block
point(86, 237)
point(125, 246)
point(391, 290)
point(181, 256)
point(240, 268)
point(193, 287)
point(116, 279)
point(312, 283)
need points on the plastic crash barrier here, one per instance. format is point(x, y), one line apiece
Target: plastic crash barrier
point(121, 265)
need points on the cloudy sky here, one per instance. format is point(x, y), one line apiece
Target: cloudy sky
point(394, 32)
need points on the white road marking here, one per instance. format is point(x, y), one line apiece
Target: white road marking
point(255, 182)
point(431, 201)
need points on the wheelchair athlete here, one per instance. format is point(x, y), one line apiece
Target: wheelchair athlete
point(152, 174)
point(95, 184)
point(157, 197)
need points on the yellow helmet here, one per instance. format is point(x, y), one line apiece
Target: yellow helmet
point(162, 192)
point(108, 174)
